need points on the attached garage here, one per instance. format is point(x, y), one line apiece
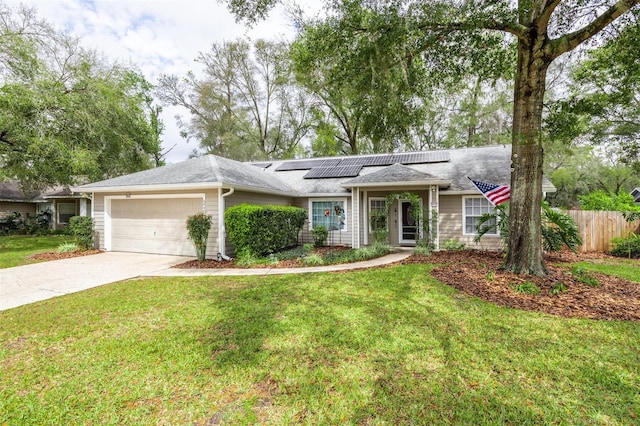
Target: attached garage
point(151, 225)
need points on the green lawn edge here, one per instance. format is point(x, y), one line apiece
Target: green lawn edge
point(380, 346)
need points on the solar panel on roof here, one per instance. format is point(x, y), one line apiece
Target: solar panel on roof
point(421, 157)
point(307, 164)
point(329, 162)
point(380, 160)
point(369, 160)
point(366, 160)
point(333, 172)
point(292, 165)
point(352, 161)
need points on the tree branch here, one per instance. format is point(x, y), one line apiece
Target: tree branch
point(570, 41)
point(489, 24)
point(545, 14)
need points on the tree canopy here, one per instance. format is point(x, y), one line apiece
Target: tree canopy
point(246, 105)
point(66, 114)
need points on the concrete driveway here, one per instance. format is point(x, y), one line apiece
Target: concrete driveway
point(31, 283)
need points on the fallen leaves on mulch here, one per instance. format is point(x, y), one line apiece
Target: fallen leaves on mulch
point(226, 264)
point(56, 256)
point(478, 273)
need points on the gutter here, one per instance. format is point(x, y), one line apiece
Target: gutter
point(221, 227)
point(180, 187)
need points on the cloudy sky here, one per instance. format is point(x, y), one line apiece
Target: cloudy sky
point(158, 36)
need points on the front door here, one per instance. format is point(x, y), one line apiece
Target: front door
point(408, 230)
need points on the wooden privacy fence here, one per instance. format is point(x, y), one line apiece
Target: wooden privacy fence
point(599, 228)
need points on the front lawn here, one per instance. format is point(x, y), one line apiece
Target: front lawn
point(16, 249)
point(381, 346)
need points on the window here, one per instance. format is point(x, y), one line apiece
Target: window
point(65, 212)
point(329, 213)
point(474, 207)
point(377, 214)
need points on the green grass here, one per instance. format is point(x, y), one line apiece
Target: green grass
point(16, 249)
point(382, 347)
point(627, 269)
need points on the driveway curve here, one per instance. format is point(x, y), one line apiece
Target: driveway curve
point(40, 281)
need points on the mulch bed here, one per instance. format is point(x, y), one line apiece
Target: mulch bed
point(56, 256)
point(478, 274)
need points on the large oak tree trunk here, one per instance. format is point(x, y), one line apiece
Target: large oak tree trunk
point(525, 237)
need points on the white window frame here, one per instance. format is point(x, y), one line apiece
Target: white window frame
point(384, 200)
point(330, 200)
point(464, 214)
point(75, 211)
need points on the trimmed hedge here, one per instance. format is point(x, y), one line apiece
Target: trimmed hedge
point(263, 229)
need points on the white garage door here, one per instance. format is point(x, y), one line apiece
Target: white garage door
point(153, 225)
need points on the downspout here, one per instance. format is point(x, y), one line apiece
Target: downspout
point(221, 227)
point(365, 217)
point(355, 231)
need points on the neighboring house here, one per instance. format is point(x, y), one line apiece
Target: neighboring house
point(636, 195)
point(13, 199)
point(147, 211)
point(60, 202)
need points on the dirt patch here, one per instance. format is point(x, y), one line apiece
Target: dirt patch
point(226, 264)
point(56, 256)
point(479, 274)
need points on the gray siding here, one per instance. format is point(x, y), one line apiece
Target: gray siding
point(98, 220)
point(211, 208)
point(23, 208)
point(450, 223)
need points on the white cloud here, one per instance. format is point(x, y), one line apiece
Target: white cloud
point(157, 36)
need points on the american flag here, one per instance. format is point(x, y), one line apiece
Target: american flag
point(496, 194)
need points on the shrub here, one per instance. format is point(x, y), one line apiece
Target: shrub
point(81, 227)
point(293, 253)
point(626, 247)
point(453, 245)
point(25, 224)
point(558, 229)
point(313, 260)
point(356, 255)
point(527, 287)
point(246, 258)
point(198, 227)
point(602, 200)
point(9, 223)
point(422, 250)
point(264, 229)
point(584, 277)
point(558, 288)
point(68, 248)
point(320, 235)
